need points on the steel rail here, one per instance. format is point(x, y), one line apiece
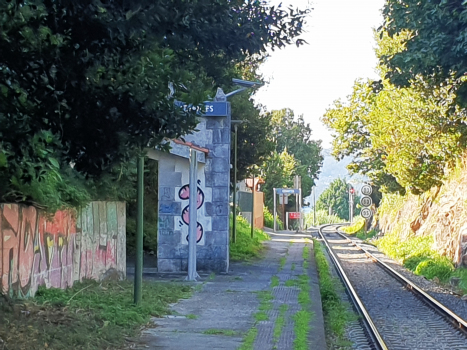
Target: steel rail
point(370, 327)
point(458, 322)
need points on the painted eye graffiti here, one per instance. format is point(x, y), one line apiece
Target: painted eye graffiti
point(184, 193)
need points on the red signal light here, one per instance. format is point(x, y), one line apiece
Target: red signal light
point(352, 190)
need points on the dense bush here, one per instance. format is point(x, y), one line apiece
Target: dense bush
point(269, 219)
point(246, 247)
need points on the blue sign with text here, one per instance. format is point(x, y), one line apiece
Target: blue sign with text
point(287, 191)
point(217, 109)
point(211, 109)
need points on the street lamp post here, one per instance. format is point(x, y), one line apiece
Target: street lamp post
point(253, 207)
point(351, 198)
point(234, 195)
point(244, 84)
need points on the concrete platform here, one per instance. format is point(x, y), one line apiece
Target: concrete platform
point(221, 311)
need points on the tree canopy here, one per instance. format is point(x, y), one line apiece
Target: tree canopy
point(437, 43)
point(83, 83)
point(295, 153)
point(336, 199)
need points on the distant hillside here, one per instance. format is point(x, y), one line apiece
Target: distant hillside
point(331, 170)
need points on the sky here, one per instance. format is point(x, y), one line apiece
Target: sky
point(340, 50)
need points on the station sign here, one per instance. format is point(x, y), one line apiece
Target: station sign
point(217, 109)
point(287, 191)
point(211, 108)
point(294, 215)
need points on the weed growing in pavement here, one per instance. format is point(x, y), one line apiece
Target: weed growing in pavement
point(249, 339)
point(303, 317)
point(336, 313)
point(274, 281)
point(301, 327)
point(280, 321)
point(293, 267)
point(91, 315)
point(246, 247)
point(227, 332)
point(291, 282)
point(416, 254)
point(191, 316)
point(282, 263)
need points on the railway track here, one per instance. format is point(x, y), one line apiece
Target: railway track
point(395, 313)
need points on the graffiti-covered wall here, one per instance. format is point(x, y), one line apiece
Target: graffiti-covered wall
point(36, 249)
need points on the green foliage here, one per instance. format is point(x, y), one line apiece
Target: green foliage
point(438, 42)
point(461, 273)
point(295, 153)
point(102, 79)
point(357, 226)
point(150, 217)
point(246, 247)
point(336, 197)
point(417, 255)
point(91, 315)
point(322, 217)
point(38, 176)
point(253, 143)
point(403, 138)
point(364, 235)
point(269, 219)
point(336, 313)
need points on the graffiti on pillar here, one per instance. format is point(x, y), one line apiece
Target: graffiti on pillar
point(184, 194)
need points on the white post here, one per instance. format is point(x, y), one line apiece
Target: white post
point(287, 220)
point(192, 227)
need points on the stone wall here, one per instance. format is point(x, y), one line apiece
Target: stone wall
point(57, 251)
point(213, 135)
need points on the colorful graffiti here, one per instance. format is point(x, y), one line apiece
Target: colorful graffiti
point(184, 194)
point(38, 250)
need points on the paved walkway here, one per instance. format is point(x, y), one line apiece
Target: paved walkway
point(225, 308)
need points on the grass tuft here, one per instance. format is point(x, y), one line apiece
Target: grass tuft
point(226, 332)
point(280, 321)
point(336, 314)
point(249, 339)
point(274, 281)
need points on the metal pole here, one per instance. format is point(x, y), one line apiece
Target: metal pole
point(274, 213)
point(192, 227)
point(139, 232)
point(300, 220)
point(314, 206)
point(253, 207)
point(234, 220)
point(283, 210)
